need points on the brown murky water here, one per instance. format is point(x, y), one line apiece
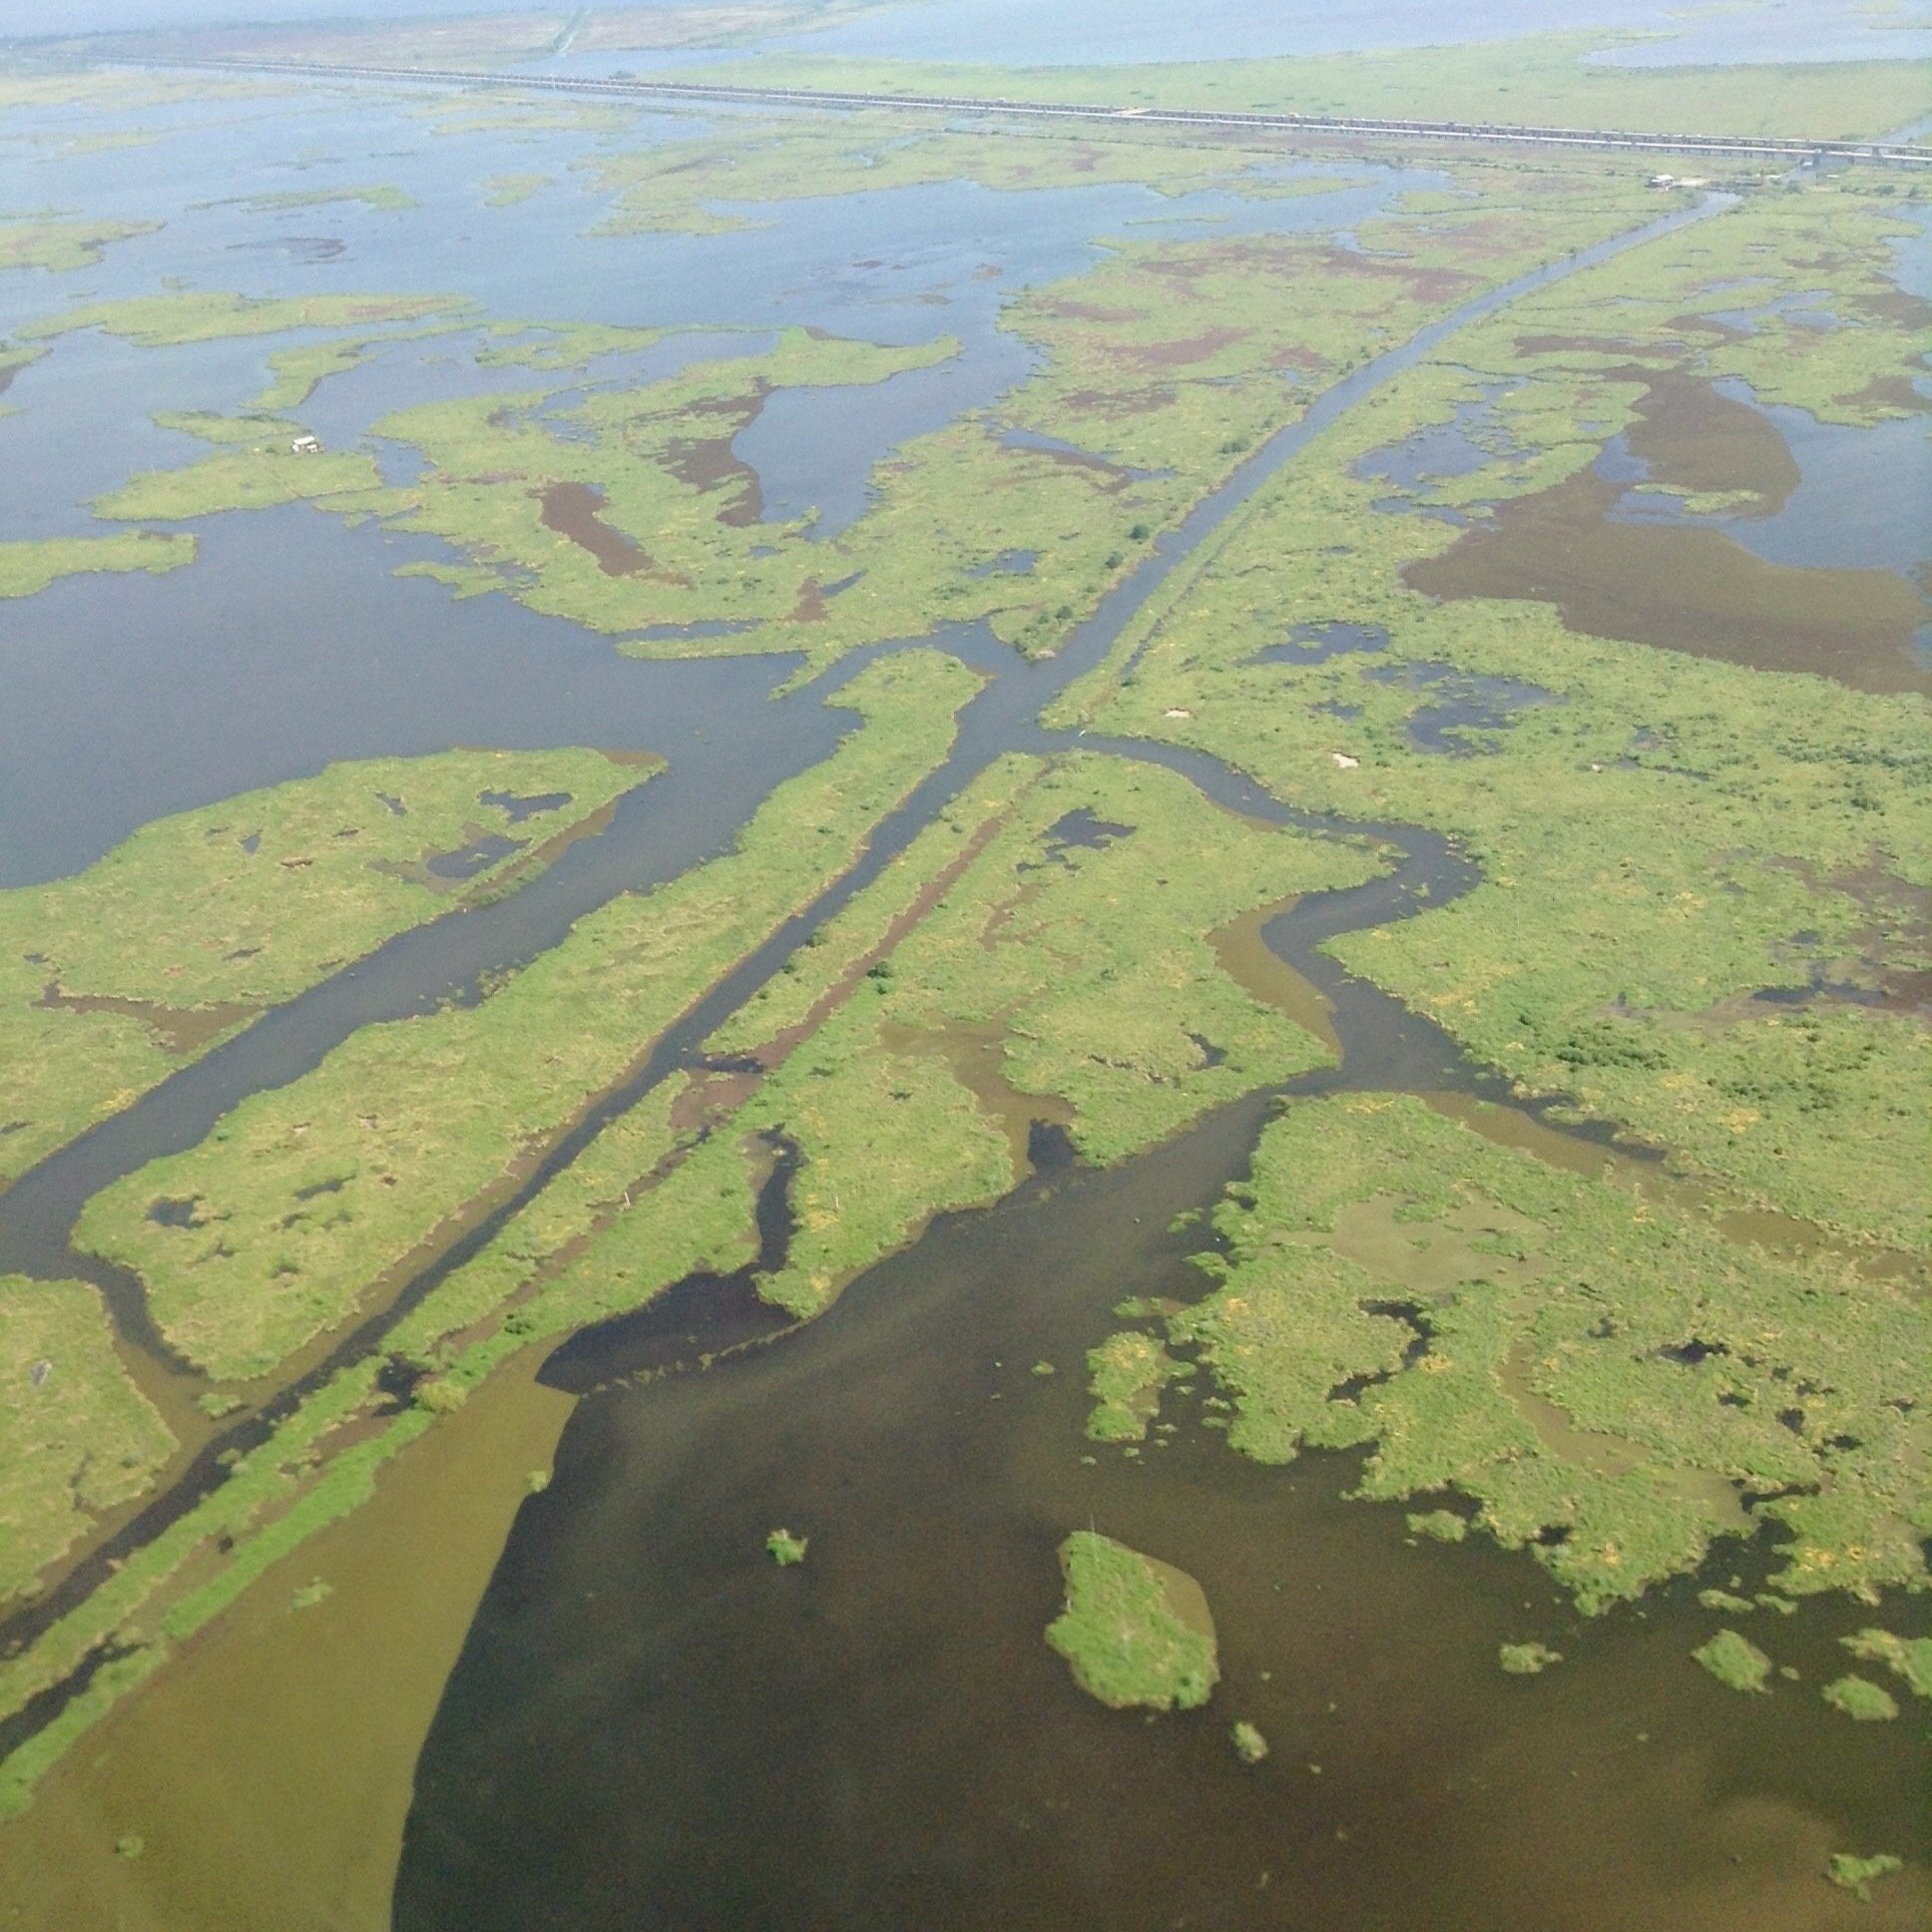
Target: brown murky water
point(574, 510)
point(1699, 590)
point(1691, 438)
point(653, 1725)
point(267, 1771)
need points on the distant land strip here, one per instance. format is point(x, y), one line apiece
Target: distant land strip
point(1751, 146)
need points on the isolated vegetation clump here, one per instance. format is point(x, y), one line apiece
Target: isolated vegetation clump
point(1249, 1745)
point(784, 1549)
point(1135, 1631)
point(1527, 1659)
point(1909, 1657)
point(1860, 1698)
point(1736, 1660)
point(1125, 1375)
point(1857, 1875)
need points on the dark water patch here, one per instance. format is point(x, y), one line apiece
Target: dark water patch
point(1083, 828)
point(1691, 1353)
point(695, 1320)
point(516, 810)
point(1696, 591)
point(813, 596)
point(1009, 563)
point(1408, 506)
point(1802, 310)
point(1465, 705)
point(1443, 450)
point(307, 248)
point(467, 862)
point(1050, 1148)
point(1117, 475)
point(573, 511)
point(1414, 1317)
point(1211, 1055)
point(396, 1383)
point(177, 1213)
point(1312, 644)
point(712, 463)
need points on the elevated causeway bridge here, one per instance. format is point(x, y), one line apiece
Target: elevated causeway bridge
point(1767, 148)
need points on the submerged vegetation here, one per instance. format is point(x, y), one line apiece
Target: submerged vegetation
point(1249, 1745)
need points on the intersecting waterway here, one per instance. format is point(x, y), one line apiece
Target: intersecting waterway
point(640, 1731)
point(651, 1724)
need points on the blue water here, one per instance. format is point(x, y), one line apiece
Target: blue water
point(904, 266)
point(1864, 499)
point(1023, 32)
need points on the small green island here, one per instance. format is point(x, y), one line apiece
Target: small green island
point(784, 1549)
point(1136, 1630)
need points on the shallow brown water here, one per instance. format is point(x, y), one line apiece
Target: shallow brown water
point(267, 1769)
point(571, 510)
point(652, 1725)
point(1693, 438)
point(1684, 589)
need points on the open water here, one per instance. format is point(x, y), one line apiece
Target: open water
point(644, 1729)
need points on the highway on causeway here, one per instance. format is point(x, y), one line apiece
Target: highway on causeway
point(1727, 147)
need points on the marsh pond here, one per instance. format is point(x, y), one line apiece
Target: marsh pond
point(944, 1017)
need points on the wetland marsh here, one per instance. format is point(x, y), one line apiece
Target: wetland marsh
point(914, 1023)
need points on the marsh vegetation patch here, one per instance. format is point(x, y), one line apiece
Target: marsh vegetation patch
point(1136, 1630)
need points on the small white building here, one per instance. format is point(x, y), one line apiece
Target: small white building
point(307, 446)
